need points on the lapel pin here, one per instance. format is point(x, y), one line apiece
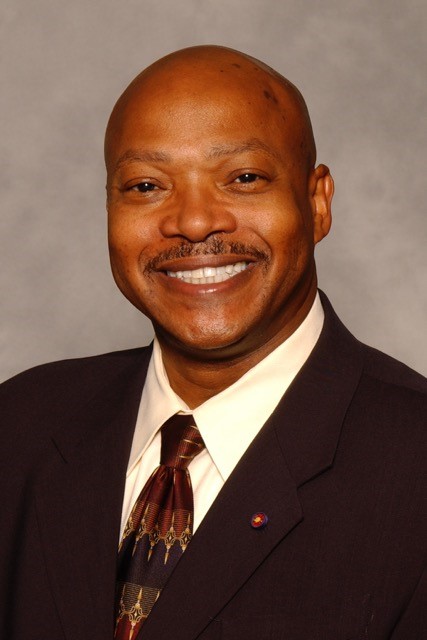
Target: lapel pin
point(259, 520)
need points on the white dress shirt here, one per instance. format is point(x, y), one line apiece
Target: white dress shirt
point(228, 422)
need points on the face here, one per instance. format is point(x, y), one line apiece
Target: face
point(213, 216)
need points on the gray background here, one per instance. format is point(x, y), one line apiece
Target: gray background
point(362, 68)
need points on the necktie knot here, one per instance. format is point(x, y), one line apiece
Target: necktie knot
point(181, 441)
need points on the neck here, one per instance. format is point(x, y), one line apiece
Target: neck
point(197, 376)
point(195, 381)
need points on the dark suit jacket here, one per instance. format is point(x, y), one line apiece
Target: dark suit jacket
point(338, 469)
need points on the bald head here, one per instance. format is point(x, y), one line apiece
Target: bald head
point(214, 203)
point(204, 72)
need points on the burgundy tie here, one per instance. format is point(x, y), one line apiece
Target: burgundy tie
point(159, 527)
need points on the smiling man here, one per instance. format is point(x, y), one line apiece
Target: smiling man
point(205, 153)
point(293, 453)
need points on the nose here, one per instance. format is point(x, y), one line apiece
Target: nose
point(197, 213)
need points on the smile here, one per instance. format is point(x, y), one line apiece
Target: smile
point(207, 275)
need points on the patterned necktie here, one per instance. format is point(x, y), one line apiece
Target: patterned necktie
point(159, 527)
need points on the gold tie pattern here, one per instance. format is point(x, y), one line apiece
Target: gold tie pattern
point(159, 527)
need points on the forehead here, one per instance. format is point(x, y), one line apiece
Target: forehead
point(195, 106)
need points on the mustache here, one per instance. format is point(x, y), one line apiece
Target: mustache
point(212, 247)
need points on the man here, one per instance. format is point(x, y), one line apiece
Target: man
point(308, 513)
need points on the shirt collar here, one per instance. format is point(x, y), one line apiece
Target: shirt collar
point(229, 421)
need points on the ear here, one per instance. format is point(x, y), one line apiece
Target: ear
point(321, 187)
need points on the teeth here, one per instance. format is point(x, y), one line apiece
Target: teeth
point(208, 275)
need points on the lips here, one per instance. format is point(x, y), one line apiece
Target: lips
point(208, 275)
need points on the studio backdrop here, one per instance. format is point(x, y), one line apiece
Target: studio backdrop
point(361, 66)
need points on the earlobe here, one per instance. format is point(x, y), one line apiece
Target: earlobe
point(322, 191)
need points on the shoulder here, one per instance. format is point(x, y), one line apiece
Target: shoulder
point(388, 414)
point(32, 401)
point(387, 371)
point(388, 398)
point(377, 369)
point(392, 389)
point(78, 373)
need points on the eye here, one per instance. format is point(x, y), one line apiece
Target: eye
point(143, 187)
point(247, 178)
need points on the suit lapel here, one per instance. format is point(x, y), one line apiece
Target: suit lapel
point(311, 413)
point(79, 500)
point(295, 446)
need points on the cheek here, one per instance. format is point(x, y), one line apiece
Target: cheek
point(128, 238)
point(124, 252)
point(292, 257)
point(279, 220)
point(289, 243)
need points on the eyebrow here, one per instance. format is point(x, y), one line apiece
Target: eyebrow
point(141, 155)
point(220, 151)
point(254, 144)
